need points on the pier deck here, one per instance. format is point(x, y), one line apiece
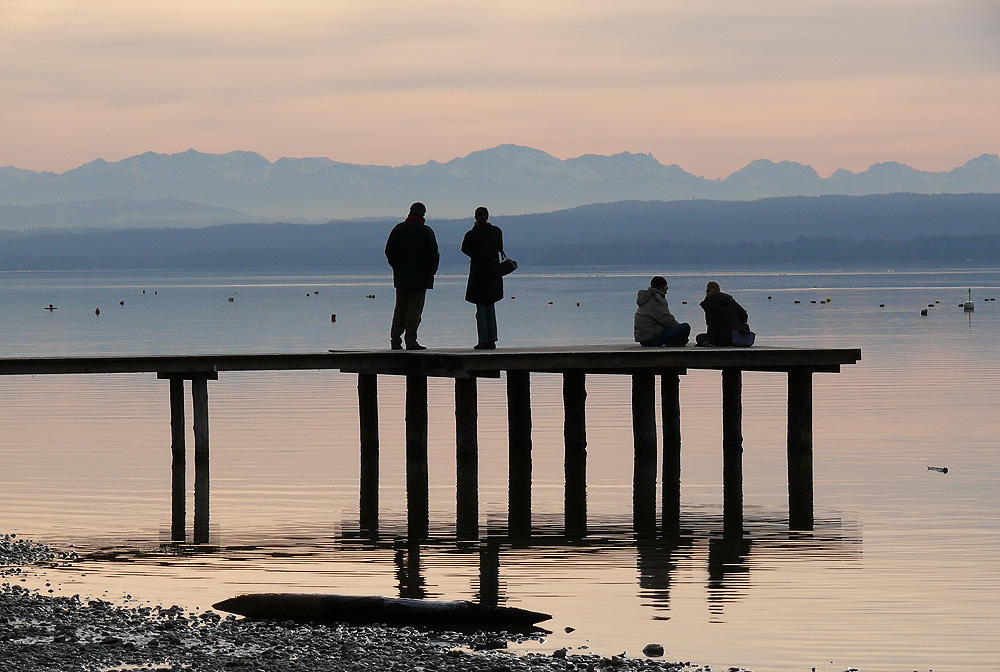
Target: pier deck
point(465, 366)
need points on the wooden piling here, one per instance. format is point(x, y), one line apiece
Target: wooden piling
point(467, 458)
point(644, 446)
point(670, 405)
point(178, 462)
point(575, 438)
point(199, 396)
point(417, 485)
point(800, 450)
point(368, 419)
point(732, 449)
point(519, 453)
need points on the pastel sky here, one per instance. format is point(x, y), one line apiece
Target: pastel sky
point(706, 84)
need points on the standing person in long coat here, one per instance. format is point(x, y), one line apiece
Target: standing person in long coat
point(483, 244)
point(412, 251)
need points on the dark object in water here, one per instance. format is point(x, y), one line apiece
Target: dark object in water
point(373, 609)
point(943, 470)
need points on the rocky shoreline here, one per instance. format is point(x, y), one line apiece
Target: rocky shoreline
point(41, 633)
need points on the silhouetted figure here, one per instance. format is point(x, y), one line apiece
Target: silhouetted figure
point(723, 316)
point(653, 324)
point(412, 251)
point(483, 244)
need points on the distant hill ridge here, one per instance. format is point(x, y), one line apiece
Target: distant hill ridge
point(510, 179)
point(892, 228)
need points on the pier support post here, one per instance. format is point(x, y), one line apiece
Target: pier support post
point(732, 450)
point(178, 464)
point(467, 457)
point(519, 452)
point(199, 395)
point(644, 444)
point(670, 404)
point(417, 488)
point(575, 437)
point(800, 450)
point(368, 417)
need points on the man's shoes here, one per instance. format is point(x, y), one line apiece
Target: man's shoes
point(415, 346)
point(396, 346)
point(485, 346)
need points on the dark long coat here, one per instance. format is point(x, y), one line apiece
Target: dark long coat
point(483, 244)
point(412, 251)
point(722, 315)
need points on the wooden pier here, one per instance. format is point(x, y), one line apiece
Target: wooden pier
point(465, 366)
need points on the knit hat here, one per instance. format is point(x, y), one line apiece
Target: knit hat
point(658, 281)
point(418, 208)
point(482, 214)
point(712, 287)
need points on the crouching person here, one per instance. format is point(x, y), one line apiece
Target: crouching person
point(654, 325)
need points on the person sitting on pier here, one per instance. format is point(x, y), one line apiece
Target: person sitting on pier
point(654, 325)
point(726, 320)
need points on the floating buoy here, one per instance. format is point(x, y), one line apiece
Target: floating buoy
point(930, 305)
point(333, 317)
point(797, 301)
point(924, 312)
point(881, 305)
point(684, 303)
point(829, 300)
point(550, 303)
point(97, 311)
point(769, 298)
point(121, 303)
point(812, 301)
point(577, 304)
point(144, 291)
point(308, 294)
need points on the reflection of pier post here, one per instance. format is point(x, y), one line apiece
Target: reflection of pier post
point(489, 573)
point(644, 444)
point(671, 413)
point(417, 487)
point(519, 461)
point(575, 436)
point(178, 465)
point(368, 415)
point(467, 457)
point(199, 395)
point(800, 458)
point(732, 449)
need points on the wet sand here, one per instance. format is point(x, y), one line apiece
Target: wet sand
point(41, 633)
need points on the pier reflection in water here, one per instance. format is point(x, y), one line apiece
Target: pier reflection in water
point(542, 562)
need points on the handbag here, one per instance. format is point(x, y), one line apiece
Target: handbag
point(507, 266)
point(743, 337)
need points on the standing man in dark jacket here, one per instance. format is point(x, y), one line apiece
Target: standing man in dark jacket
point(412, 251)
point(483, 244)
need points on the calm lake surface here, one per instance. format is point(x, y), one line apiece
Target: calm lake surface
point(901, 573)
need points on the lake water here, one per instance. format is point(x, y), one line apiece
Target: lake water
point(901, 573)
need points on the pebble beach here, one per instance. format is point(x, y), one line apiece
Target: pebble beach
point(42, 633)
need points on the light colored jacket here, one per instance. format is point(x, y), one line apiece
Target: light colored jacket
point(653, 315)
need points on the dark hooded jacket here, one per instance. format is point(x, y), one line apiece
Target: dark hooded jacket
point(483, 244)
point(722, 315)
point(412, 251)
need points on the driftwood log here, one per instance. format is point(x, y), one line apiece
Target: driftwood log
point(306, 607)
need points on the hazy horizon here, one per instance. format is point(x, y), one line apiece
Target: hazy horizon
point(710, 86)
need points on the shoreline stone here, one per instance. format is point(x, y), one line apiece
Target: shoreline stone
point(42, 633)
